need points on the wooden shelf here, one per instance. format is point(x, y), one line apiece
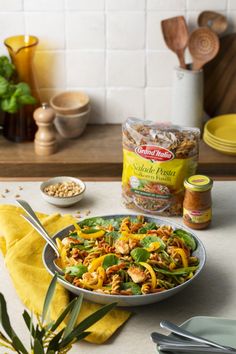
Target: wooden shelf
point(96, 154)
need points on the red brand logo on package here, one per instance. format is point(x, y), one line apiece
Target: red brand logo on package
point(154, 153)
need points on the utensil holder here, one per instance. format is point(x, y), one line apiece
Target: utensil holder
point(187, 98)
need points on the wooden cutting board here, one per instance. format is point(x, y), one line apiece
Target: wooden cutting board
point(220, 79)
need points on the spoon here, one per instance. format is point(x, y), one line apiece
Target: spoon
point(159, 338)
point(34, 221)
point(175, 32)
point(215, 21)
point(183, 333)
point(203, 45)
point(168, 347)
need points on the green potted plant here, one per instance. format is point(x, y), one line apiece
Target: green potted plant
point(48, 337)
point(13, 97)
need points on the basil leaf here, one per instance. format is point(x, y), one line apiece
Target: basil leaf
point(112, 236)
point(135, 288)
point(26, 99)
point(146, 241)
point(9, 105)
point(109, 261)
point(140, 254)
point(3, 86)
point(146, 227)
point(187, 238)
point(76, 270)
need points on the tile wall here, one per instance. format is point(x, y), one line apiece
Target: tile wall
point(112, 49)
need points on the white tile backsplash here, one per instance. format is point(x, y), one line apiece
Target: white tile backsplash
point(126, 68)
point(49, 27)
point(85, 5)
point(206, 5)
point(127, 5)
point(232, 5)
point(43, 5)
point(11, 5)
point(85, 30)
point(157, 104)
point(11, 23)
point(125, 30)
point(123, 103)
point(111, 49)
point(85, 68)
point(160, 68)
point(155, 39)
point(53, 63)
point(166, 5)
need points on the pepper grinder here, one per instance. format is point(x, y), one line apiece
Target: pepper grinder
point(45, 137)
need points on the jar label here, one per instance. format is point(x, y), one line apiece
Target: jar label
point(197, 216)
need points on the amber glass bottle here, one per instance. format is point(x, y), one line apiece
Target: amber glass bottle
point(197, 210)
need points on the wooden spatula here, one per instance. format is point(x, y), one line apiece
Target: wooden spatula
point(203, 45)
point(175, 32)
point(215, 21)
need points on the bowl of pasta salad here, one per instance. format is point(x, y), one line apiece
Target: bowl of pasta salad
point(129, 259)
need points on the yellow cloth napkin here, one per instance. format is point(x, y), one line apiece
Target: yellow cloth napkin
point(22, 248)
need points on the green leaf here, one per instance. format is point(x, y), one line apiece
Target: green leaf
point(76, 270)
point(180, 271)
point(73, 316)
point(140, 254)
point(49, 296)
point(7, 69)
point(3, 86)
point(4, 318)
point(22, 88)
point(54, 343)
point(111, 237)
point(82, 335)
point(18, 345)
point(187, 238)
point(5, 322)
point(26, 99)
point(63, 315)
point(28, 321)
point(135, 288)
point(148, 226)
point(86, 323)
point(109, 261)
point(146, 241)
point(39, 333)
point(38, 348)
point(9, 105)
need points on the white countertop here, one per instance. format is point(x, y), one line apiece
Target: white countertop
point(213, 293)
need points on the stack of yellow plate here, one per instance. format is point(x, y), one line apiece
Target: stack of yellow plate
point(220, 133)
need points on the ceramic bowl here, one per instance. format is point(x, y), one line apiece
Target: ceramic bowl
point(62, 201)
point(70, 102)
point(71, 126)
point(122, 300)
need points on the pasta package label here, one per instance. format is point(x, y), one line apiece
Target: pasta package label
point(156, 160)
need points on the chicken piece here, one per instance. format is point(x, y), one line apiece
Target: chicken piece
point(137, 274)
point(90, 278)
point(133, 243)
point(122, 247)
point(68, 240)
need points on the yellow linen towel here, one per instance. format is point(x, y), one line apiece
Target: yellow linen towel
point(22, 248)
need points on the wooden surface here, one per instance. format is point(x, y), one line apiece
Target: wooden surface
point(95, 155)
point(220, 79)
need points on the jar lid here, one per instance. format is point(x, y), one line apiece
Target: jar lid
point(198, 183)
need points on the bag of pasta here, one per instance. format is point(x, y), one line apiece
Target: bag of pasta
point(156, 160)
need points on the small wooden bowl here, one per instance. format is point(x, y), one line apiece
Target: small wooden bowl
point(70, 102)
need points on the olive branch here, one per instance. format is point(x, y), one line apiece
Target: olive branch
point(49, 337)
